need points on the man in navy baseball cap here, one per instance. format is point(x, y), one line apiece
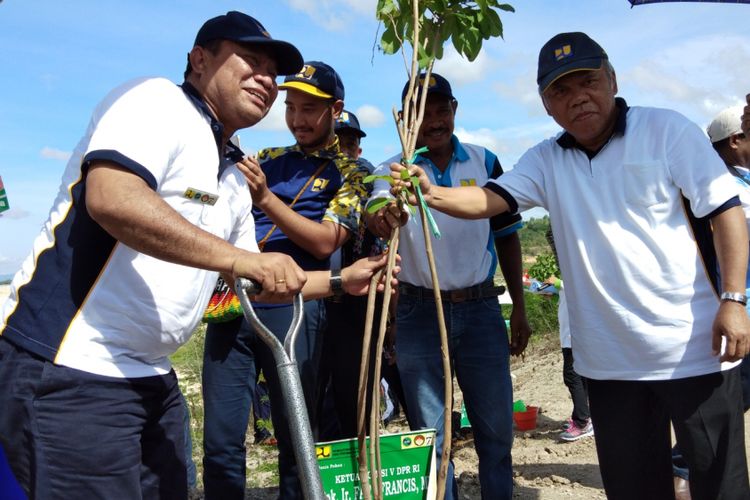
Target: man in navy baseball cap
point(566, 53)
point(241, 28)
point(437, 85)
point(349, 133)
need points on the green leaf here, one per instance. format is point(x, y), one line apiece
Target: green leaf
point(405, 174)
point(373, 178)
point(376, 204)
point(389, 42)
point(384, 9)
point(496, 25)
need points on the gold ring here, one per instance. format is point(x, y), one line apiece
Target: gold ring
point(282, 280)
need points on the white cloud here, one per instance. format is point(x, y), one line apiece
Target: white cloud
point(369, 116)
point(459, 70)
point(522, 91)
point(509, 143)
point(274, 120)
point(668, 77)
point(333, 15)
point(14, 213)
point(54, 154)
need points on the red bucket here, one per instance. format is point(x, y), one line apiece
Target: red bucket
point(526, 420)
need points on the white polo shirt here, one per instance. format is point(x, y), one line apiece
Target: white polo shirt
point(86, 301)
point(640, 299)
point(465, 254)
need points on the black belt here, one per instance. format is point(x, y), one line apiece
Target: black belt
point(476, 292)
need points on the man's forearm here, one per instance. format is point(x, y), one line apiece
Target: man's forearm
point(466, 202)
point(135, 215)
point(731, 243)
point(319, 238)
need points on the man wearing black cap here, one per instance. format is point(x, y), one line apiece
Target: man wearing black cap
point(634, 194)
point(307, 202)
point(466, 255)
point(350, 134)
point(150, 211)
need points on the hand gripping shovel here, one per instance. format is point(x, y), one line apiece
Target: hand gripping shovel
point(291, 387)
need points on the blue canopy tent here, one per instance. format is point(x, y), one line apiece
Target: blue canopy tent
point(633, 3)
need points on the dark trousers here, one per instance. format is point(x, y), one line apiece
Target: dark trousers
point(577, 387)
point(233, 353)
point(343, 354)
point(632, 423)
point(745, 377)
point(69, 433)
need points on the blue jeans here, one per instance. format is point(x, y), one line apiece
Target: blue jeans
point(68, 433)
point(233, 353)
point(480, 358)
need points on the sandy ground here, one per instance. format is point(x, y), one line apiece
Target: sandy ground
point(544, 467)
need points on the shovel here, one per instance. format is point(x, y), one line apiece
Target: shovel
point(291, 387)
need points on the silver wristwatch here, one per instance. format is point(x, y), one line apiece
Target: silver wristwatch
point(337, 284)
point(734, 297)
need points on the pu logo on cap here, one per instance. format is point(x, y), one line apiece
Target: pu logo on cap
point(433, 82)
point(306, 73)
point(344, 117)
point(563, 52)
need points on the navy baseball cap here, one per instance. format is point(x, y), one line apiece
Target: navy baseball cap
point(318, 79)
point(437, 85)
point(348, 121)
point(239, 27)
point(566, 53)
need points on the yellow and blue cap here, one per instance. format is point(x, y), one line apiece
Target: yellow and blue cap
point(318, 79)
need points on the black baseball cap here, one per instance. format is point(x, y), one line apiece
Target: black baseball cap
point(437, 85)
point(566, 53)
point(239, 27)
point(348, 121)
point(318, 79)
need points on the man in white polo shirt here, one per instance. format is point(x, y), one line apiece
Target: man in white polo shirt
point(150, 210)
point(466, 256)
point(631, 192)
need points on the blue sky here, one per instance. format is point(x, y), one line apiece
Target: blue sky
point(61, 58)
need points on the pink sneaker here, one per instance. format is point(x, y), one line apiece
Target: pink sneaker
point(574, 432)
point(566, 425)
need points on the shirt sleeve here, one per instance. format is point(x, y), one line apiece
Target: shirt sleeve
point(132, 129)
point(523, 187)
point(505, 223)
point(698, 170)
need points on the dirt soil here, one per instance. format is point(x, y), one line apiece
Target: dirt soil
point(544, 467)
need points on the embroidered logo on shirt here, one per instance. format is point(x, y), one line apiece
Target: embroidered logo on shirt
point(200, 196)
point(320, 184)
point(468, 182)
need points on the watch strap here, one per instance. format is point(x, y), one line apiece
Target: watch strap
point(337, 284)
point(734, 297)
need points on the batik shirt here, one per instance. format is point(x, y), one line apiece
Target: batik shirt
point(335, 195)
